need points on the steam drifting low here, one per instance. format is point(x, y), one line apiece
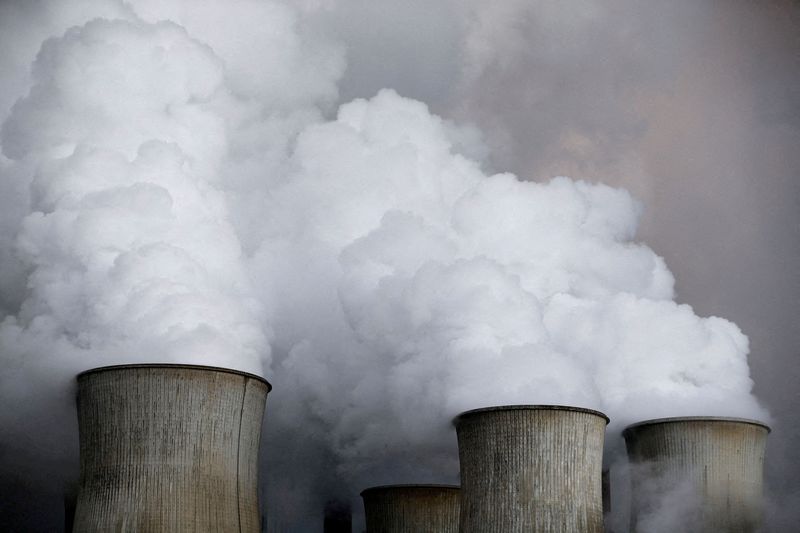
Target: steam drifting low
point(175, 193)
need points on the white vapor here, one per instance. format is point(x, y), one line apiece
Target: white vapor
point(173, 191)
point(128, 243)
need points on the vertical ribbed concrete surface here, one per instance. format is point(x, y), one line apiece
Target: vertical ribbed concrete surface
point(169, 448)
point(412, 509)
point(716, 463)
point(531, 468)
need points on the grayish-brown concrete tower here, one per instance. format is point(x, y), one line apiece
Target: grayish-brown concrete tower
point(531, 468)
point(412, 509)
point(169, 448)
point(698, 474)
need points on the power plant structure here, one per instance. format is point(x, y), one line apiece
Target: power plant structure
point(531, 468)
point(708, 469)
point(412, 508)
point(166, 447)
point(170, 447)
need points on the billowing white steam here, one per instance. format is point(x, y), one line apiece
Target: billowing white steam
point(189, 203)
point(130, 252)
point(413, 287)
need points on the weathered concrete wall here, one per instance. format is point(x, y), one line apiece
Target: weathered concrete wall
point(704, 473)
point(412, 509)
point(531, 469)
point(169, 448)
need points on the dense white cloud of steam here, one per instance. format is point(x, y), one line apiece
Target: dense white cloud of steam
point(128, 246)
point(172, 192)
point(450, 290)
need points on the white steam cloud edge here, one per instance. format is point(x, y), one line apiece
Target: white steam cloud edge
point(173, 193)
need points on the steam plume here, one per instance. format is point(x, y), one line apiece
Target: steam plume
point(179, 184)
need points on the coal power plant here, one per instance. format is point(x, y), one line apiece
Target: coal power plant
point(531, 468)
point(412, 508)
point(711, 466)
point(169, 447)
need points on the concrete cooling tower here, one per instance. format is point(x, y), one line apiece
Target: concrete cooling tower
point(531, 468)
point(706, 472)
point(412, 509)
point(169, 448)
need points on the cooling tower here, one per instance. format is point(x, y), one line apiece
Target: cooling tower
point(531, 468)
point(704, 474)
point(169, 448)
point(412, 509)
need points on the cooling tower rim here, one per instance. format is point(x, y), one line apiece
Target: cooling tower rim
point(410, 486)
point(677, 419)
point(523, 407)
point(111, 368)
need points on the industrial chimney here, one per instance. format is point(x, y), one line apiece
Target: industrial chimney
point(169, 448)
point(412, 509)
point(531, 468)
point(709, 468)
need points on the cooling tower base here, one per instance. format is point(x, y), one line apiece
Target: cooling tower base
point(697, 474)
point(169, 448)
point(531, 468)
